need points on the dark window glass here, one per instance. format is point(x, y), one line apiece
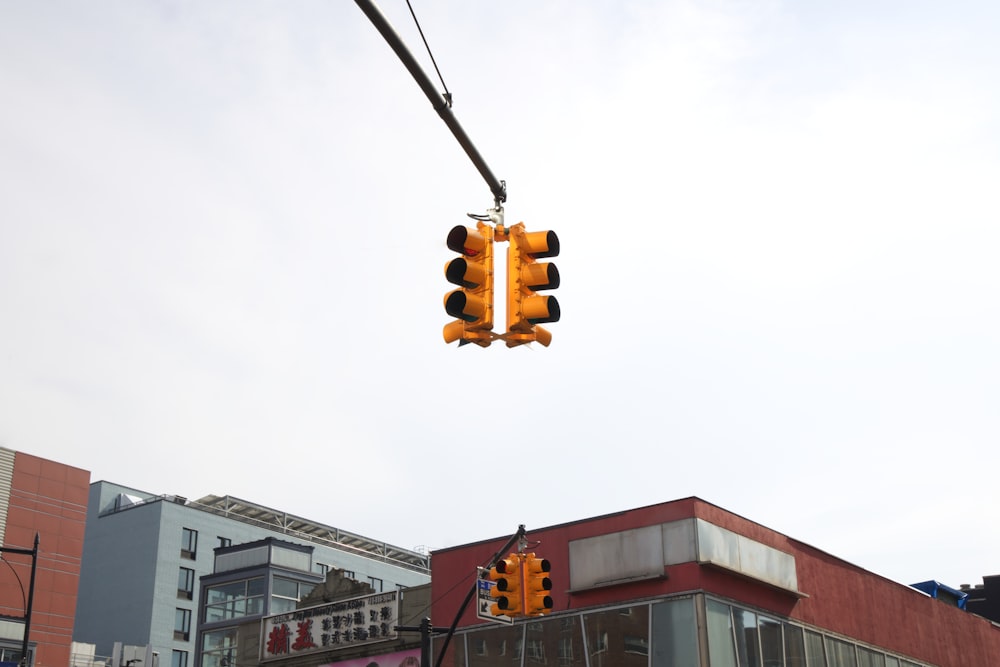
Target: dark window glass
point(179, 659)
point(285, 588)
point(189, 543)
point(182, 625)
point(814, 649)
point(185, 583)
point(675, 638)
point(720, 635)
point(870, 658)
point(747, 648)
point(840, 653)
point(770, 642)
point(617, 639)
point(795, 647)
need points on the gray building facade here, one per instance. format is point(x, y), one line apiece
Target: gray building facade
point(144, 556)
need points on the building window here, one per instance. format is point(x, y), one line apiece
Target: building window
point(179, 659)
point(217, 648)
point(286, 593)
point(13, 656)
point(235, 599)
point(564, 651)
point(182, 625)
point(814, 648)
point(480, 648)
point(348, 574)
point(536, 650)
point(870, 658)
point(225, 542)
point(321, 568)
point(189, 543)
point(185, 583)
point(376, 584)
point(674, 636)
point(841, 652)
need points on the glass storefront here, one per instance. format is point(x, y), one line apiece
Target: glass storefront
point(662, 633)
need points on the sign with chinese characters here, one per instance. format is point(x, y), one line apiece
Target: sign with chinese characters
point(339, 624)
point(484, 600)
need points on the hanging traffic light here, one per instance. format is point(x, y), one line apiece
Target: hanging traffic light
point(507, 592)
point(472, 304)
point(525, 275)
point(537, 584)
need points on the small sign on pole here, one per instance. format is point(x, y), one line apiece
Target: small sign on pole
point(484, 600)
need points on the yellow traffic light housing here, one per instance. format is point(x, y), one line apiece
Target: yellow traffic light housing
point(537, 584)
point(472, 303)
point(508, 590)
point(526, 309)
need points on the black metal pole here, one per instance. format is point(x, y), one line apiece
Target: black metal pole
point(374, 14)
point(425, 629)
point(31, 597)
point(468, 598)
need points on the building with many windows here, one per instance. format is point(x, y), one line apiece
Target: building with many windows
point(145, 555)
point(688, 583)
point(250, 581)
point(48, 500)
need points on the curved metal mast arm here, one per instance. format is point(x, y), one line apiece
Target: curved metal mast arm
point(440, 104)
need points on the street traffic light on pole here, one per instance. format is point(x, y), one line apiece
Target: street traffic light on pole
point(508, 591)
point(472, 303)
point(537, 584)
point(526, 309)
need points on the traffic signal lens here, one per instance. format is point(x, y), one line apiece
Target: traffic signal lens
point(464, 306)
point(467, 274)
point(537, 309)
point(466, 241)
point(541, 244)
point(540, 276)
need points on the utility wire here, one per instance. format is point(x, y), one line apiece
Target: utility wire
point(447, 95)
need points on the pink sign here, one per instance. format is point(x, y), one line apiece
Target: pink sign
point(409, 658)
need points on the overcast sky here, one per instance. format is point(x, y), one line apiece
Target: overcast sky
point(222, 234)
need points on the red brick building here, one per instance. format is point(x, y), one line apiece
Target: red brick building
point(42, 497)
point(689, 583)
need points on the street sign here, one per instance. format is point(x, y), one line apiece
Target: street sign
point(484, 600)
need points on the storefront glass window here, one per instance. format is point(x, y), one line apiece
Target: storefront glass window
point(675, 636)
point(491, 646)
point(870, 658)
point(795, 646)
point(814, 649)
point(720, 634)
point(770, 642)
point(840, 653)
point(747, 648)
point(618, 637)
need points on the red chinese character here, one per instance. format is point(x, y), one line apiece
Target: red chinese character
point(277, 641)
point(303, 636)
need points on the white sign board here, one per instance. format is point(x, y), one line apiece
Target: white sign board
point(339, 624)
point(484, 601)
